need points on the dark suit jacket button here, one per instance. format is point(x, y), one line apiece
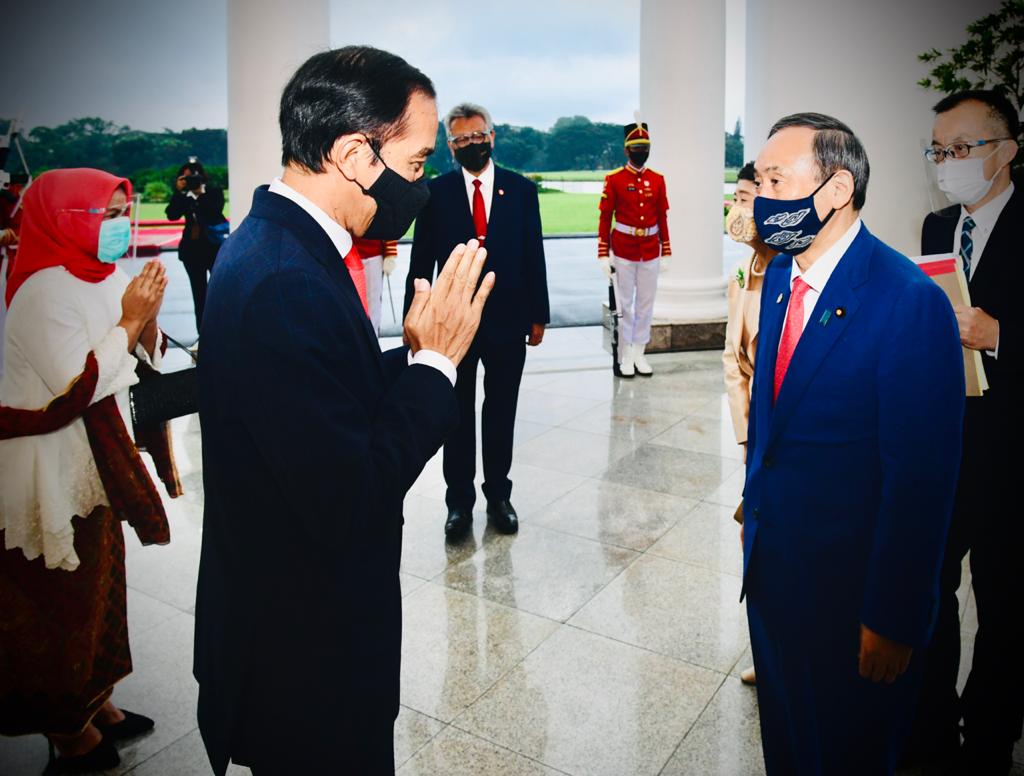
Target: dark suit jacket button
point(769, 463)
point(757, 510)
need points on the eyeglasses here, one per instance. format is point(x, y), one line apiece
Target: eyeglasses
point(461, 141)
point(936, 154)
point(107, 212)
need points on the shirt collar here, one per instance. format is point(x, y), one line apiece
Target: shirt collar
point(821, 270)
point(336, 232)
point(486, 178)
point(637, 170)
point(985, 217)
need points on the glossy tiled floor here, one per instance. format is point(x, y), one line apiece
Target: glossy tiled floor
point(605, 638)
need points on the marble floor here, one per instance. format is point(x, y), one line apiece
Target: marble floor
point(605, 638)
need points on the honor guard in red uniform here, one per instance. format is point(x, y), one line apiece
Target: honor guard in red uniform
point(634, 196)
point(379, 257)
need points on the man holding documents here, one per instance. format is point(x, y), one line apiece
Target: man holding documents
point(853, 449)
point(973, 146)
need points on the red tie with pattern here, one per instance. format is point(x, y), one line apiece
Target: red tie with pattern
point(354, 263)
point(791, 332)
point(479, 211)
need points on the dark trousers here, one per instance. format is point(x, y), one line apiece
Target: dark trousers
point(503, 371)
point(198, 257)
point(818, 716)
point(992, 704)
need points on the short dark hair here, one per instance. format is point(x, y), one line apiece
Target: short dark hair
point(835, 148)
point(999, 107)
point(345, 90)
point(747, 173)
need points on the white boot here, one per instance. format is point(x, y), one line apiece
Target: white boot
point(626, 368)
point(642, 367)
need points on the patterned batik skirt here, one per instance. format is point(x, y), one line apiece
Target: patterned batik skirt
point(63, 634)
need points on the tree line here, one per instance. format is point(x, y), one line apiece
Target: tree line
point(151, 159)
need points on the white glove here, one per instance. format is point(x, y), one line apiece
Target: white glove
point(389, 265)
point(606, 267)
point(664, 264)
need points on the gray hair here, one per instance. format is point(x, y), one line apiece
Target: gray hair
point(467, 110)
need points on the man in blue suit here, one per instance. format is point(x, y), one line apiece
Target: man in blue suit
point(500, 208)
point(854, 445)
point(312, 436)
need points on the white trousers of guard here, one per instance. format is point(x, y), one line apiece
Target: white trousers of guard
point(637, 283)
point(373, 269)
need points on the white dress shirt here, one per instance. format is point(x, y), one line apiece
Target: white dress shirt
point(985, 218)
point(818, 274)
point(486, 179)
point(343, 242)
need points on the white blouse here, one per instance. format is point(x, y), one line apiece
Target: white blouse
point(53, 322)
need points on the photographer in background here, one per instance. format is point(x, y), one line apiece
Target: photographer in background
point(202, 207)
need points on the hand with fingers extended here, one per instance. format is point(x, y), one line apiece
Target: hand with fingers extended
point(141, 301)
point(445, 318)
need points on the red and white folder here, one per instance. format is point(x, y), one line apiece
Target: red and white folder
point(947, 271)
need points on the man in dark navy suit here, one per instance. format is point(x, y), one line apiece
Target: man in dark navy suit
point(854, 444)
point(312, 436)
point(500, 208)
point(974, 142)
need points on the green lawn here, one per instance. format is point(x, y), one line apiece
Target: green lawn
point(573, 175)
point(154, 211)
point(560, 212)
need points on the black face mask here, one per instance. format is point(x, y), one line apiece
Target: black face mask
point(474, 157)
point(638, 156)
point(398, 203)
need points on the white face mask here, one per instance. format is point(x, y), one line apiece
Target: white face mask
point(963, 180)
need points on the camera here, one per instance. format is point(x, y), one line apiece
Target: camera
point(193, 182)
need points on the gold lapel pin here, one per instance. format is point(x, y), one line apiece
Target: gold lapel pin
point(840, 312)
point(501, 192)
point(779, 300)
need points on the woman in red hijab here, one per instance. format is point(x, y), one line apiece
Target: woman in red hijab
point(77, 329)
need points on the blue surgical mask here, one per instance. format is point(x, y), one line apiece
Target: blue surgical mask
point(789, 225)
point(115, 237)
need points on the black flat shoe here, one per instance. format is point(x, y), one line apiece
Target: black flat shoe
point(459, 523)
point(132, 725)
point(502, 515)
point(102, 757)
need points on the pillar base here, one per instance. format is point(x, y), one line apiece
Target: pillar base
point(669, 336)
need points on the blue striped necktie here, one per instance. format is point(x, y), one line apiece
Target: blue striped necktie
point(967, 245)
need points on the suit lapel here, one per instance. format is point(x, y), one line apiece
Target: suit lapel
point(1002, 233)
point(317, 244)
point(497, 218)
point(464, 208)
point(774, 301)
point(823, 330)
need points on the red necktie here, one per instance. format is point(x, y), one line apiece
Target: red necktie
point(355, 268)
point(479, 212)
point(791, 332)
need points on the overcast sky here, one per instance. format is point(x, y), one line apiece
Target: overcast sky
point(153, 64)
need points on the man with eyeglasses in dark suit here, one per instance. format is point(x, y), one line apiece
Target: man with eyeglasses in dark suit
point(499, 208)
point(974, 145)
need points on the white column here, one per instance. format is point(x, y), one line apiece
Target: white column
point(857, 62)
point(682, 97)
point(267, 41)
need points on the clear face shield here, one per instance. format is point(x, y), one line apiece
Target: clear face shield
point(955, 174)
point(938, 202)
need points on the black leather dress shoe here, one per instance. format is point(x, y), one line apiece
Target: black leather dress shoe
point(459, 523)
point(132, 725)
point(502, 515)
